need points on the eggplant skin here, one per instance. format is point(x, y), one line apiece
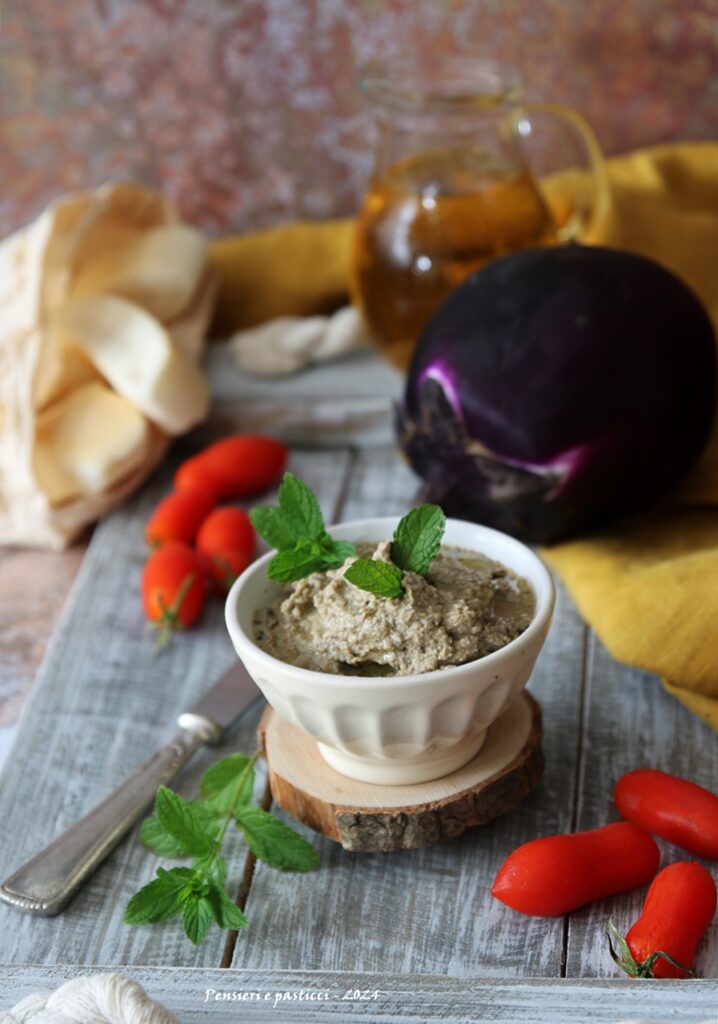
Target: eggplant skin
point(557, 388)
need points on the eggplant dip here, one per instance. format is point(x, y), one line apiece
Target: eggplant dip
point(463, 607)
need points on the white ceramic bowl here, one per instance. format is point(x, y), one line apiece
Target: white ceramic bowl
point(397, 730)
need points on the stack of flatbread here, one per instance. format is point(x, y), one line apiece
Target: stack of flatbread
point(104, 305)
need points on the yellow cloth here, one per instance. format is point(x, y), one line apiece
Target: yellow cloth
point(299, 269)
point(648, 586)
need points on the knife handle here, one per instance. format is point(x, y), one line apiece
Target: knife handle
point(47, 882)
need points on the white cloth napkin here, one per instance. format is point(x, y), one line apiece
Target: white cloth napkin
point(289, 344)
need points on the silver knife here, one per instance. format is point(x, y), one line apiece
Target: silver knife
point(47, 882)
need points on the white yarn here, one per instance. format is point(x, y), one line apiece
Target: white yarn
point(92, 999)
point(645, 1020)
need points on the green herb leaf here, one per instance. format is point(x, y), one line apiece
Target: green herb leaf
point(296, 530)
point(335, 552)
point(156, 837)
point(289, 566)
point(228, 782)
point(274, 842)
point(211, 867)
point(161, 899)
point(196, 917)
point(197, 827)
point(380, 578)
point(225, 912)
point(269, 524)
point(185, 822)
point(300, 509)
point(417, 538)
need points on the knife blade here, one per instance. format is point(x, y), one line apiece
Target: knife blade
point(222, 704)
point(45, 884)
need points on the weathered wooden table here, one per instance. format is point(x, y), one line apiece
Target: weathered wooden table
point(418, 927)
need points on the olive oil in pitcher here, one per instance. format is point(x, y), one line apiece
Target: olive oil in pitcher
point(427, 223)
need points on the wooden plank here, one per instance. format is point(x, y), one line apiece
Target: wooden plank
point(33, 588)
point(630, 722)
point(102, 703)
point(348, 401)
point(304, 997)
point(427, 910)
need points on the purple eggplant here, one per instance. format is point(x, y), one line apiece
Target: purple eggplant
point(557, 388)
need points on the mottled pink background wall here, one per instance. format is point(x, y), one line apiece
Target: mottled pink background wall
point(244, 110)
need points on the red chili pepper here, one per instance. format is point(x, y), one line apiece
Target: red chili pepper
point(179, 517)
point(551, 876)
point(226, 540)
point(678, 908)
point(173, 588)
point(234, 467)
point(673, 808)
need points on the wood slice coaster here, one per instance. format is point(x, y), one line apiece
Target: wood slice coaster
point(369, 818)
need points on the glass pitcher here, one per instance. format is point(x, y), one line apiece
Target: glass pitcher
point(456, 183)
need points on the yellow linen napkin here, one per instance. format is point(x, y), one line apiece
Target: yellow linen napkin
point(649, 586)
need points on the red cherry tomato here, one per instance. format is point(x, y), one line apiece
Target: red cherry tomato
point(173, 588)
point(226, 542)
point(673, 808)
point(235, 467)
point(678, 908)
point(551, 876)
point(179, 517)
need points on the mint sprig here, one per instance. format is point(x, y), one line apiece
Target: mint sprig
point(196, 828)
point(296, 529)
point(414, 546)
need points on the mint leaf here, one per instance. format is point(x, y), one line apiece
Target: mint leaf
point(380, 578)
point(196, 917)
point(308, 557)
point(154, 836)
point(161, 899)
point(228, 782)
point(274, 842)
point(296, 530)
point(157, 838)
point(289, 566)
point(225, 912)
point(211, 868)
point(300, 509)
point(417, 538)
point(270, 525)
point(335, 552)
point(185, 822)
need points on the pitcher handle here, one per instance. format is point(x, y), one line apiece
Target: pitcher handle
point(586, 212)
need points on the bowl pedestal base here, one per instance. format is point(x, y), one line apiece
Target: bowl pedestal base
point(406, 771)
point(367, 817)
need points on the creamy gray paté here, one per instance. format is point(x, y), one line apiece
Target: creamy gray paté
point(465, 607)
